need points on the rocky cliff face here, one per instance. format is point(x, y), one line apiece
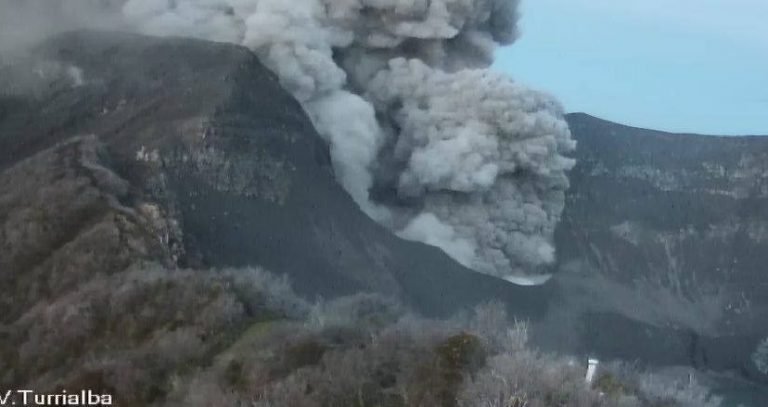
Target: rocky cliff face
point(201, 138)
point(118, 151)
point(677, 223)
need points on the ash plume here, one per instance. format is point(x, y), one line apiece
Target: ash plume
point(24, 23)
point(424, 137)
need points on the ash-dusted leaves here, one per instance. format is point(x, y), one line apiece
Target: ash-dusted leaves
point(152, 336)
point(760, 357)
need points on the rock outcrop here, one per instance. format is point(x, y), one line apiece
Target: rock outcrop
point(119, 150)
point(208, 146)
point(663, 243)
point(678, 222)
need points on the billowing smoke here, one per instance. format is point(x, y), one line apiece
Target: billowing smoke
point(480, 157)
point(27, 22)
point(423, 136)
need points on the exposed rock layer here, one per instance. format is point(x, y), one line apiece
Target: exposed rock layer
point(205, 135)
point(120, 149)
point(678, 223)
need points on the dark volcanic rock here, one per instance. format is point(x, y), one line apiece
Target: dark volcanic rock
point(118, 149)
point(663, 242)
point(679, 220)
point(205, 134)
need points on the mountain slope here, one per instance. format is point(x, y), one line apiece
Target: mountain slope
point(204, 133)
point(190, 154)
point(681, 220)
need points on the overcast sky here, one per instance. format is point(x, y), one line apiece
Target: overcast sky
point(677, 65)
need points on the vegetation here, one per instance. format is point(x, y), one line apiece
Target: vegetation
point(241, 337)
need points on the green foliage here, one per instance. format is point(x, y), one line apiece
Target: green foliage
point(241, 337)
point(611, 386)
point(461, 352)
point(303, 353)
point(140, 332)
point(233, 374)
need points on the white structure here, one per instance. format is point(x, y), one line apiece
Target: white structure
point(591, 369)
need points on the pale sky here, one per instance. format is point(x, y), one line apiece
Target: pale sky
point(676, 65)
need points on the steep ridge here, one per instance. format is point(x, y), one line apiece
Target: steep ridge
point(204, 133)
point(678, 220)
point(203, 161)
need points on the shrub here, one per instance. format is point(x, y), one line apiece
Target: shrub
point(661, 391)
point(609, 385)
point(364, 311)
point(243, 338)
point(490, 322)
point(136, 330)
point(530, 379)
point(760, 357)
